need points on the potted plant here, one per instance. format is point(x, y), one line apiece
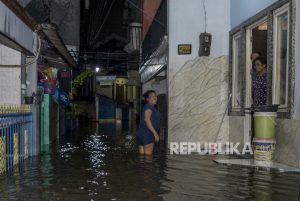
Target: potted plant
point(29, 99)
point(73, 117)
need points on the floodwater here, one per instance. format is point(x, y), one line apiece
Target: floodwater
point(104, 166)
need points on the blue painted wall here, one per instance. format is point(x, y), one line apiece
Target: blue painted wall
point(241, 10)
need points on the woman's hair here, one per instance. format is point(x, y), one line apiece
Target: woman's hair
point(147, 93)
point(256, 52)
point(262, 60)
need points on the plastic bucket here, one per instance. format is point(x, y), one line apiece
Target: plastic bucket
point(264, 149)
point(28, 99)
point(265, 124)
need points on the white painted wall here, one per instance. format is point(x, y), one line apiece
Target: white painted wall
point(297, 59)
point(10, 78)
point(241, 10)
point(16, 29)
point(186, 22)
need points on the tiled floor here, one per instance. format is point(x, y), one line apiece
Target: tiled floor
point(265, 165)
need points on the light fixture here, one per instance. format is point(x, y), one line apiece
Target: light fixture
point(263, 27)
point(97, 69)
point(87, 4)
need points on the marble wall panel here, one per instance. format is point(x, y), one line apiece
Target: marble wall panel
point(288, 142)
point(236, 130)
point(198, 99)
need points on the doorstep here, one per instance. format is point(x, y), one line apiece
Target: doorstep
point(264, 165)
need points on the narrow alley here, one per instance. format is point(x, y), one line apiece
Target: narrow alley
point(94, 166)
point(137, 100)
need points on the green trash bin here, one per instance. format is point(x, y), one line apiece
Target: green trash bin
point(265, 124)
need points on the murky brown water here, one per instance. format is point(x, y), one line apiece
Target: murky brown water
point(97, 167)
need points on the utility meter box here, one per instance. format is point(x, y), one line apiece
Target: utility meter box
point(205, 44)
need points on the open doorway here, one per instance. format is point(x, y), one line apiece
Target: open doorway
point(259, 38)
point(256, 41)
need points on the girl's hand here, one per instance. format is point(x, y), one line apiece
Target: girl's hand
point(156, 137)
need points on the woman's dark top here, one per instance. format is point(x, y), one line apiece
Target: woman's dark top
point(144, 135)
point(259, 89)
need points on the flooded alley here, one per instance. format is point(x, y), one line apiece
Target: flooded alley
point(149, 100)
point(94, 166)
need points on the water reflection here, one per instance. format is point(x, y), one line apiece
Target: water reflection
point(96, 166)
point(195, 178)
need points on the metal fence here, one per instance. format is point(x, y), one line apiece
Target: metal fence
point(15, 135)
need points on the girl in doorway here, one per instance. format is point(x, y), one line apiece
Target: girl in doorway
point(259, 82)
point(148, 130)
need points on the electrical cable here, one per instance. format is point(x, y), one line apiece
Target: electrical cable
point(95, 16)
point(99, 16)
point(153, 18)
point(104, 21)
point(29, 63)
point(205, 16)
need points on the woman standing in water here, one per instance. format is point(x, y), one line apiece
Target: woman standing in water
point(148, 130)
point(259, 82)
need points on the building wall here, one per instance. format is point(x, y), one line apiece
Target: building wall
point(185, 27)
point(242, 10)
point(160, 87)
point(68, 20)
point(288, 140)
point(150, 7)
point(198, 99)
point(236, 130)
point(297, 59)
point(10, 87)
point(198, 86)
point(105, 91)
point(14, 28)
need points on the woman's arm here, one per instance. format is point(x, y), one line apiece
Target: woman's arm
point(147, 119)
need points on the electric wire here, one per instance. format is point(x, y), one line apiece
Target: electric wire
point(28, 63)
point(104, 21)
point(205, 16)
point(153, 18)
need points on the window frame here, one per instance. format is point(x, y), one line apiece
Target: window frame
point(276, 77)
point(269, 14)
point(235, 67)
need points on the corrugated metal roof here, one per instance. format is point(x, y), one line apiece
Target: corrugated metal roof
point(156, 62)
point(52, 35)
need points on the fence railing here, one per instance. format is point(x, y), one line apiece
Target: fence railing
point(15, 135)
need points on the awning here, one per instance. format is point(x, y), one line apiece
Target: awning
point(16, 27)
point(156, 63)
point(51, 33)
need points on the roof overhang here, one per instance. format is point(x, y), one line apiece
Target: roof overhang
point(9, 42)
point(52, 35)
point(156, 63)
point(48, 30)
point(16, 27)
point(18, 10)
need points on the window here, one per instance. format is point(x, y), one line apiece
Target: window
point(280, 60)
point(237, 73)
point(271, 32)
